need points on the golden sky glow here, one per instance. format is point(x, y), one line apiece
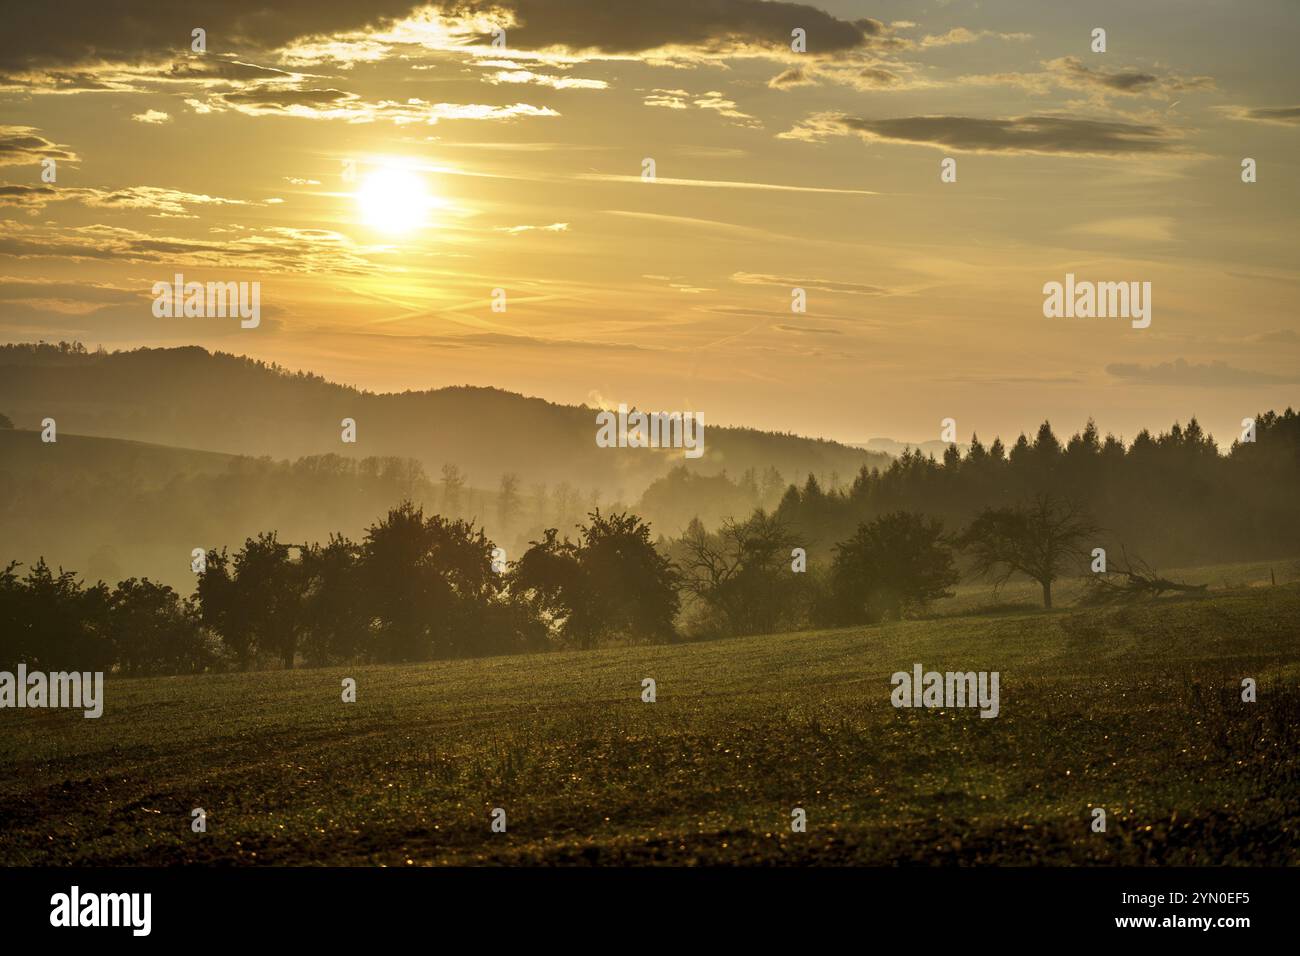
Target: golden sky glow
point(381, 169)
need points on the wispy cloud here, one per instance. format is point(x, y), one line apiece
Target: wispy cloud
point(1277, 115)
point(1210, 374)
point(724, 184)
point(1021, 135)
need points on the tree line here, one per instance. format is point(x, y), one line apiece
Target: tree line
point(423, 586)
point(1172, 497)
point(416, 587)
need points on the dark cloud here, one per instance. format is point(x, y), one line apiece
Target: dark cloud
point(1182, 372)
point(1281, 115)
point(23, 144)
point(40, 35)
point(156, 200)
point(145, 74)
point(795, 76)
point(28, 196)
point(47, 36)
point(286, 97)
point(1072, 71)
point(1125, 81)
point(874, 76)
point(633, 26)
point(209, 68)
point(1045, 135)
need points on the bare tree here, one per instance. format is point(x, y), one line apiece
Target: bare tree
point(508, 499)
point(737, 570)
point(1041, 540)
point(453, 482)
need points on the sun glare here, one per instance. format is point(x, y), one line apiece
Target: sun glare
point(393, 200)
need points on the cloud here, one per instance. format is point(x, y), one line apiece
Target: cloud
point(1277, 115)
point(1211, 374)
point(516, 230)
point(963, 35)
point(151, 116)
point(1072, 72)
point(59, 37)
point(27, 197)
point(794, 76)
point(712, 100)
point(710, 225)
point(68, 298)
point(333, 104)
point(719, 26)
point(59, 309)
point(276, 249)
point(546, 79)
point(868, 77)
point(1139, 228)
point(822, 285)
point(874, 77)
point(669, 99)
point(722, 184)
point(807, 330)
point(20, 145)
point(157, 200)
point(82, 31)
point(1278, 337)
point(155, 73)
point(1021, 135)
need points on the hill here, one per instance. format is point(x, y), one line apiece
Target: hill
point(191, 398)
point(110, 508)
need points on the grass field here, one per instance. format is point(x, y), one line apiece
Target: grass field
point(1136, 710)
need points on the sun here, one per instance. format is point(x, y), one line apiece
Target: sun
point(393, 200)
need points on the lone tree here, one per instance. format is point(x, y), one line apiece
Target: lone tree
point(1041, 540)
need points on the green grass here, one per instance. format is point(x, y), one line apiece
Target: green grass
point(1134, 710)
point(974, 596)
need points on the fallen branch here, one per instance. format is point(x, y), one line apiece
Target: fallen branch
point(1131, 581)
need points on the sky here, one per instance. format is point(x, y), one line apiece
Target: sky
point(381, 168)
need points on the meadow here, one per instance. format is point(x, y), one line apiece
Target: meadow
point(1136, 710)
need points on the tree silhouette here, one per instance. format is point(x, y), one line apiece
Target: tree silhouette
point(1041, 540)
point(740, 571)
point(612, 584)
point(894, 565)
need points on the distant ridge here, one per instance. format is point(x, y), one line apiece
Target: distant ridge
point(188, 397)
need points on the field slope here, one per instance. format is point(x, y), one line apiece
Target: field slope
point(1137, 711)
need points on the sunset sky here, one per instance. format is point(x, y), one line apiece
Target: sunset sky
point(519, 167)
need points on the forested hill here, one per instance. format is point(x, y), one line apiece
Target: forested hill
point(191, 398)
